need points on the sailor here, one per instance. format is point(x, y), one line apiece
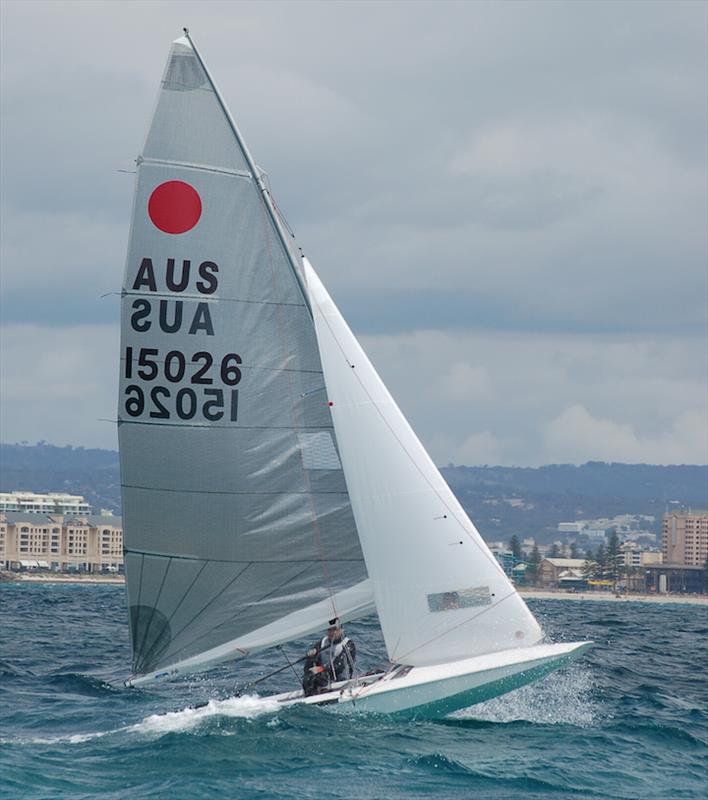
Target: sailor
point(336, 653)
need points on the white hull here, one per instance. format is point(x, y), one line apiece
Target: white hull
point(437, 690)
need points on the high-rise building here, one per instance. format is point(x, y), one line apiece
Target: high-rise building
point(684, 538)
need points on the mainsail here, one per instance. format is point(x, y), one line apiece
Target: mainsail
point(439, 592)
point(239, 532)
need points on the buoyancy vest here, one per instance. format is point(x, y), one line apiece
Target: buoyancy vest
point(338, 658)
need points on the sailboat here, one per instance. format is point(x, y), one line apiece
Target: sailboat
point(270, 482)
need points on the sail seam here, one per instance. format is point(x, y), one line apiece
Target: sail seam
point(227, 493)
point(123, 421)
point(201, 167)
point(238, 561)
point(213, 300)
point(245, 366)
point(134, 633)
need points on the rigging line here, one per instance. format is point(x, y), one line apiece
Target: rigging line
point(255, 172)
point(270, 675)
point(292, 409)
point(280, 213)
point(246, 366)
point(456, 627)
point(206, 298)
point(285, 655)
point(217, 492)
point(295, 267)
point(213, 600)
point(176, 609)
point(154, 606)
point(123, 421)
point(133, 625)
point(236, 560)
point(243, 610)
point(413, 461)
point(162, 162)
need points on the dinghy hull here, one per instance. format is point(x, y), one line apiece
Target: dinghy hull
point(434, 691)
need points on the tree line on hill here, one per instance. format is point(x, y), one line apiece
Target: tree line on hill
point(501, 500)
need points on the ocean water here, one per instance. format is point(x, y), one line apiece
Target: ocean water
point(629, 720)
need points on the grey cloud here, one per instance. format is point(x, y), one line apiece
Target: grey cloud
point(508, 167)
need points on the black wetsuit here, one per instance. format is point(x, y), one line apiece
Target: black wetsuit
point(337, 658)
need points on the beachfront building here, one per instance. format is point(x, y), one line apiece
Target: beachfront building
point(52, 503)
point(675, 578)
point(684, 538)
point(558, 572)
point(73, 543)
point(633, 555)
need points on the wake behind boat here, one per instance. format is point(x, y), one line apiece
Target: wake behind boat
point(270, 481)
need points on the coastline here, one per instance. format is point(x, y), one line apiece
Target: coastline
point(12, 577)
point(527, 594)
point(608, 597)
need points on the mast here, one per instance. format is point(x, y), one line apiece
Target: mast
point(264, 193)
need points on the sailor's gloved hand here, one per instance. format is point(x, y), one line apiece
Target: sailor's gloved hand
point(311, 653)
point(316, 670)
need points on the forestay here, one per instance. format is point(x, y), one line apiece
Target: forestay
point(440, 593)
point(238, 528)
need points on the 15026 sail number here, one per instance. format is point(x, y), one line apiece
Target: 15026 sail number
point(186, 403)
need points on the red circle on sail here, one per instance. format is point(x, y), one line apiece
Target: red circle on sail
point(175, 207)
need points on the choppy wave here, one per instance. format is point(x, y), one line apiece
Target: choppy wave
point(608, 726)
point(187, 719)
point(182, 721)
point(562, 698)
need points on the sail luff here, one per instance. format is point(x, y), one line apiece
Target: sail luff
point(257, 177)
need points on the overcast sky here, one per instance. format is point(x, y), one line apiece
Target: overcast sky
point(508, 202)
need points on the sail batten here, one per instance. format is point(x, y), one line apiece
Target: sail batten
point(236, 512)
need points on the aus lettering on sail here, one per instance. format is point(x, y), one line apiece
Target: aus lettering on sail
point(174, 369)
point(170, 314)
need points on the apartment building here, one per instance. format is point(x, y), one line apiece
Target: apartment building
point(52, 503)
point(684, 538)
point(83, 543)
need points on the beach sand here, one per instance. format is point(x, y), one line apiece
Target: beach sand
point(682, 599)
point(528, 594)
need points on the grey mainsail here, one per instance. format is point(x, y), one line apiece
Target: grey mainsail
point(235, 508)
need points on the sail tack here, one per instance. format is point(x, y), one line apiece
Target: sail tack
point(439, 592)
point(236, 512)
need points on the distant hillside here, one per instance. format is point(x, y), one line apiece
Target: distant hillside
point(46, 468)
point(501, 500)
point(506, 500)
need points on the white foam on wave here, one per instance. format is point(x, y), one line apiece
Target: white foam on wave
point(562, 698)
point(156, 725)
point(186, 719)
point(70, 738)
